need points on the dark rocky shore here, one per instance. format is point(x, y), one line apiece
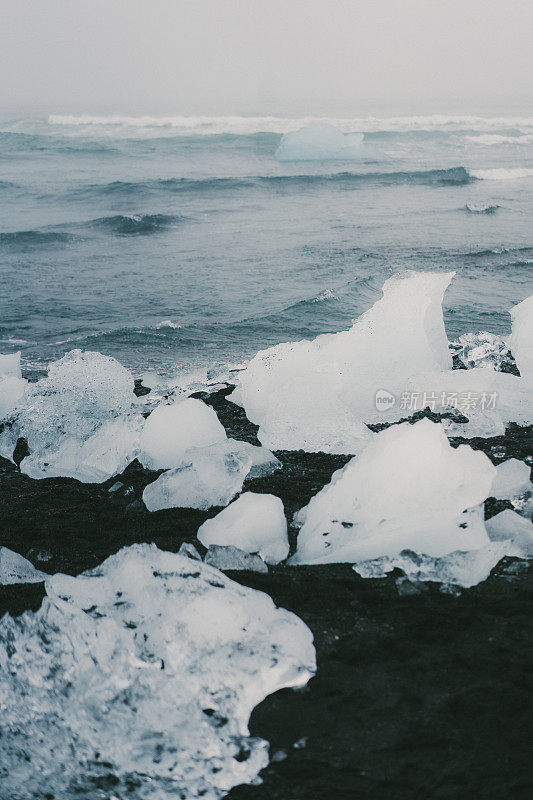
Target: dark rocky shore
point(419, 693)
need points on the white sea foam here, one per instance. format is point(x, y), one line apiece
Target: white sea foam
point(502, 173)
point(247, 125)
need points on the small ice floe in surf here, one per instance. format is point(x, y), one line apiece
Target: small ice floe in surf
point(408, 490)
point(481, 208)
point(167, 323)
point(144, 672)
point(14, 568)
point(320, 141)
point(254, 523)
point(228, 557)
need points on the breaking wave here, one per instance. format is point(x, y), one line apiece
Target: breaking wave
point(136, 224)
point(473, 208)
point(502, 173)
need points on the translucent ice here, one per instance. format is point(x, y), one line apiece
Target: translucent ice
point(320, 141)
point(12, 384)
point(171, 430)
point(516, 531)
point(408, 490)
point(521, 341)
point(208, 476)
point(254, 522)
point(230, 557)
point(460, 568)
point(483, 349)
point(317, 395)
point(14, 568)
point(512, 478)
point(141, 675)
point(78, 420)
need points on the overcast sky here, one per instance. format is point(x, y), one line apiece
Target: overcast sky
point(289, 56)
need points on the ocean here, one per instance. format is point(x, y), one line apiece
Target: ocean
point(180, 244)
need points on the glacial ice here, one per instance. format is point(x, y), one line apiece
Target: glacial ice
point(171, 430)
point(521, 341)
point(460, 568)
point(512, 478)
point(409, 490)
point(139, 677)
point(228, 557)
point(317, 395)
point(78, 420)
point(12, 384)
point(320, 141)
point(208, 476)
point(14, 568)
point(514, 530)
point(254, 523)
point(483, 349)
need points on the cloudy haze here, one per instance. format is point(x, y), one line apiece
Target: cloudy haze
point(219, 56)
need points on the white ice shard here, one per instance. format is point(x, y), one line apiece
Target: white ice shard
point(12, 384)
point(521, 341)
point(409, 490)
point(516, 531)
point(75, 418)
point(14, 568)
point(512, 478)
point(264, 462)
point(254, 522)
point(208, 476)
point(320, 141)
point(171, 430)
point(228, 557)
point(317, 395)
point(140, 676)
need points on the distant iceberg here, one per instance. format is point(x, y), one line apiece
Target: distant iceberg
point(320, 141)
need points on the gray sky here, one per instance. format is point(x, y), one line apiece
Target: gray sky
point(287, 56)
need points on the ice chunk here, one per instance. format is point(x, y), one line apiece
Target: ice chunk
point(483, 349)
point(264, 462)
point(209, 476)
point(521, 341)
point(14, 568)
point(317, 395)
point(512, 478)
point(320, 141)
point(229, 557)
point(254, 522)
point(141, 676)
point(459, 568)
point(409, 490)
point(104, 454)
point(12, 384)
point(68, 417)
point(171, 430)
point(189, 550)
point(510, 527)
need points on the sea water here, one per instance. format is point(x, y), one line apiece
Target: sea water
point(181, 244)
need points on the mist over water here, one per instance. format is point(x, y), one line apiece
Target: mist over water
point(178, 243)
